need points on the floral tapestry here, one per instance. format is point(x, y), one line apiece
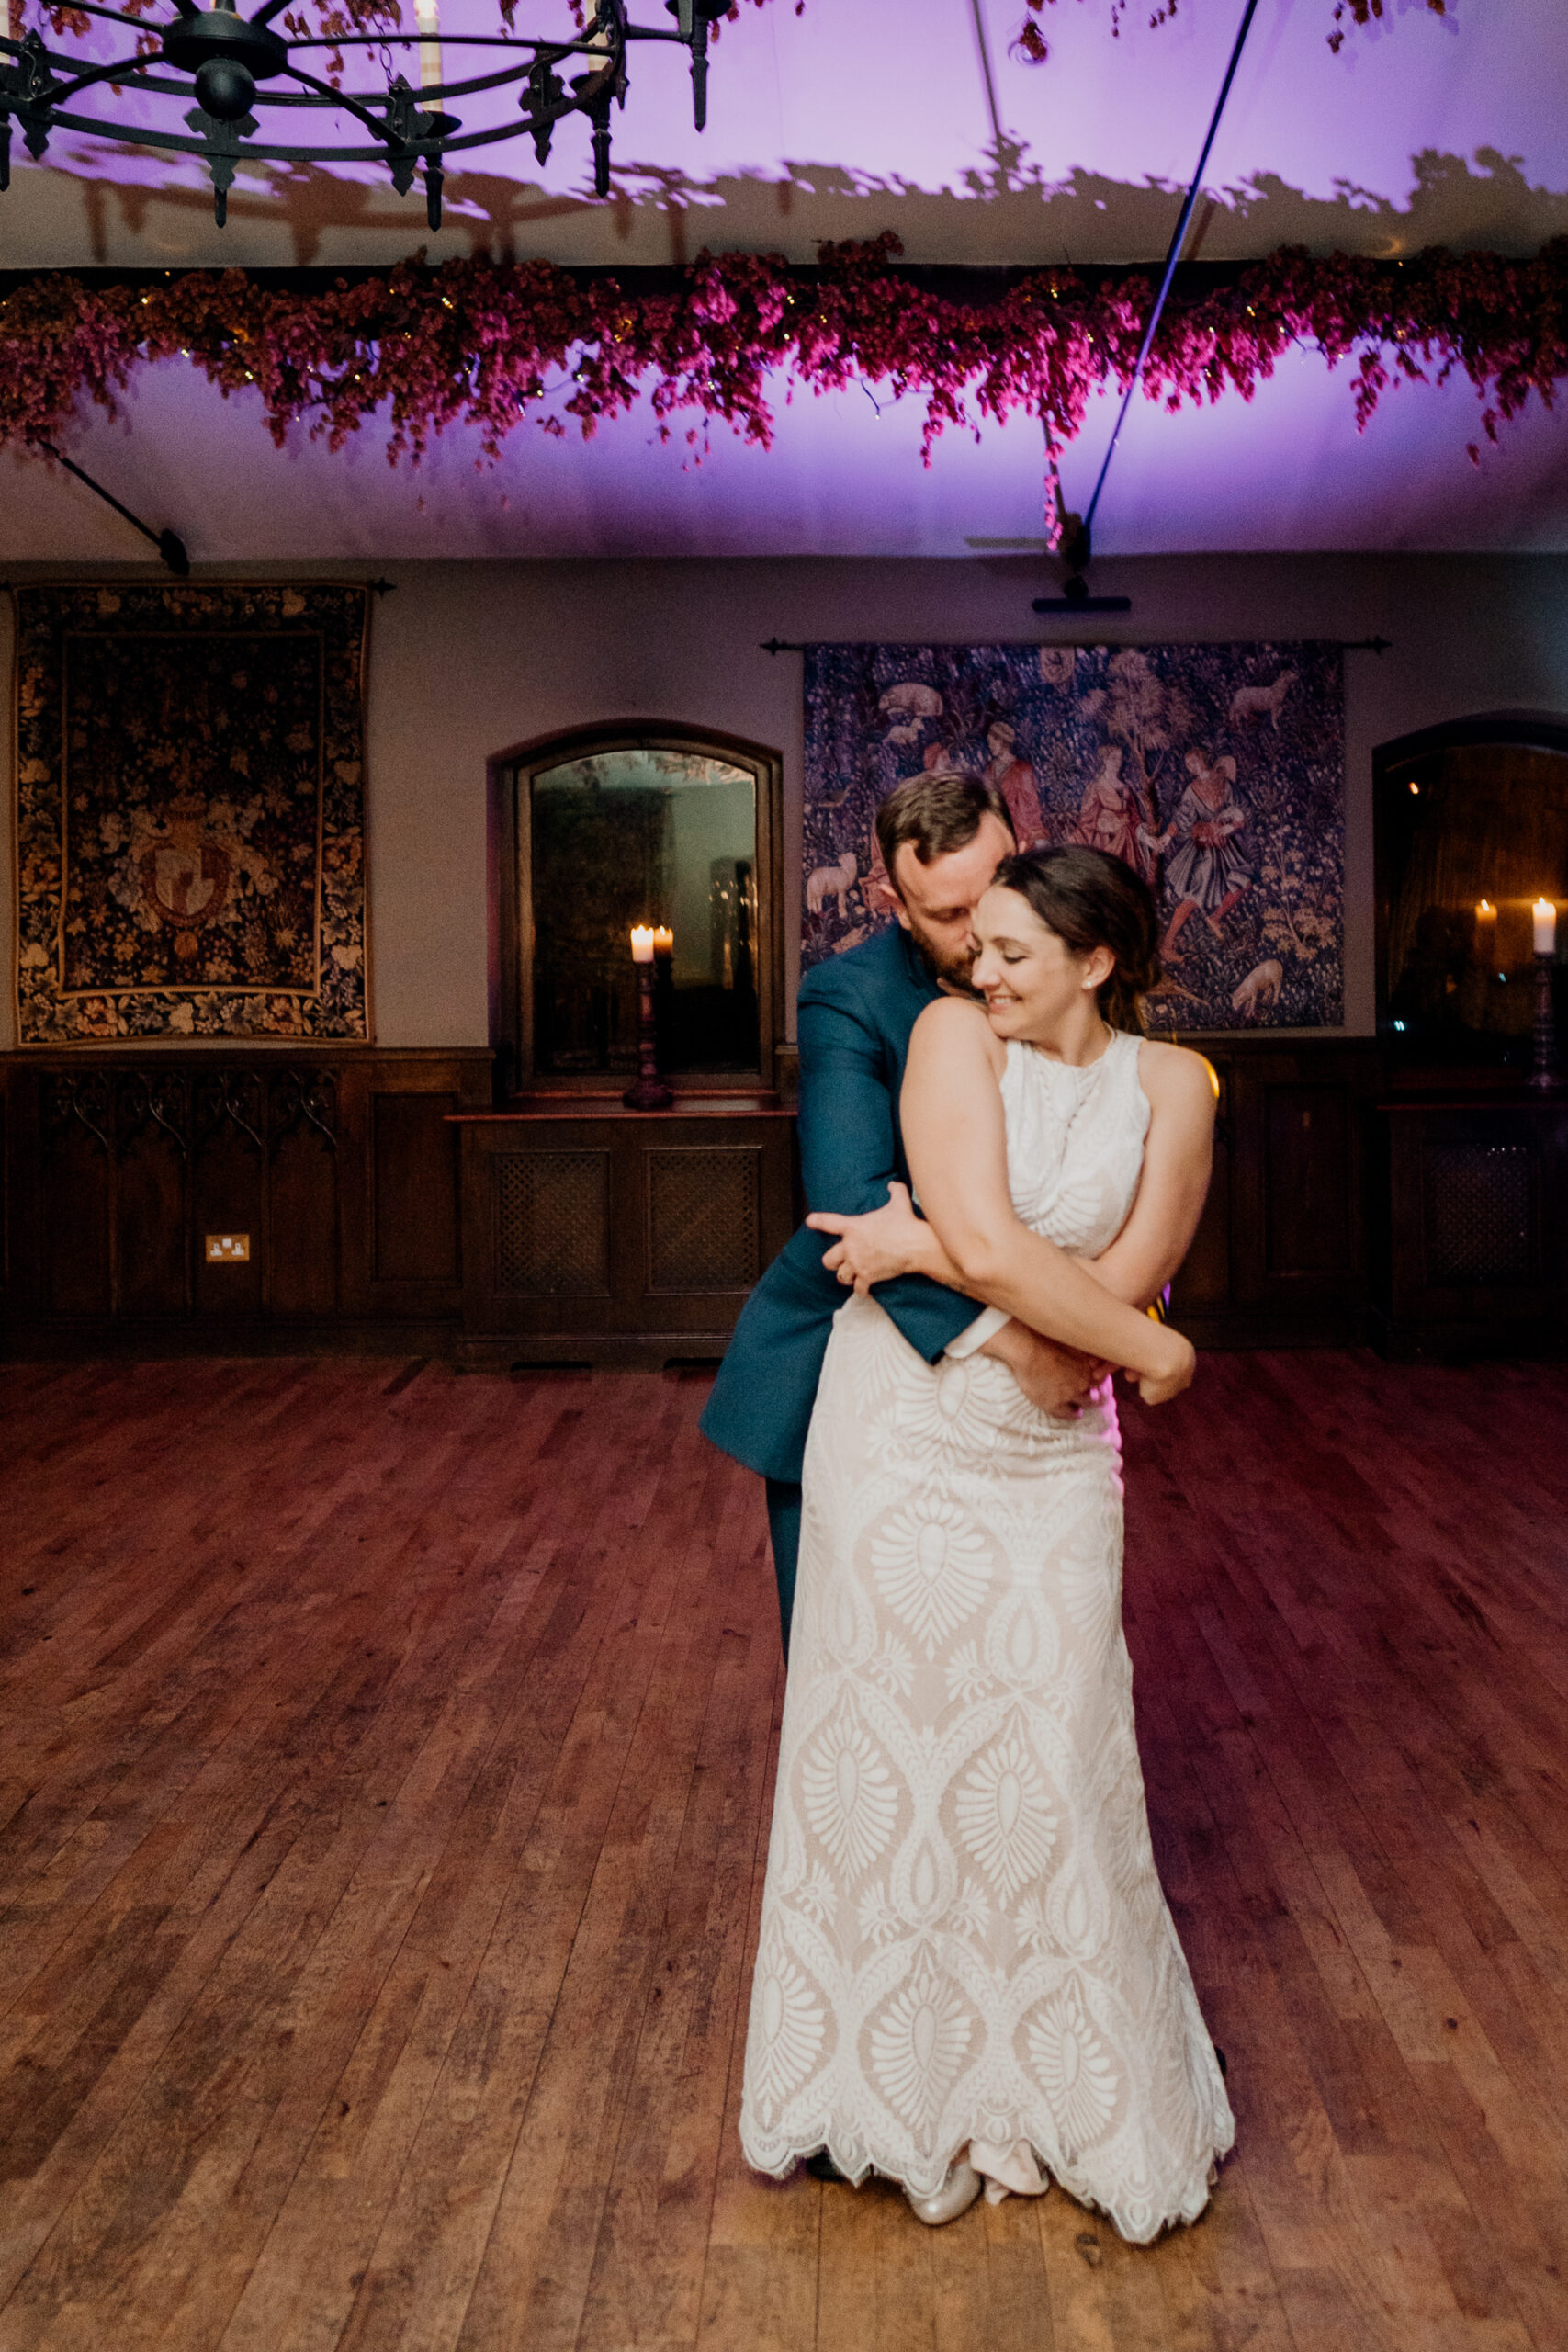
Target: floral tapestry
point(190, 827)
point(1216, 772)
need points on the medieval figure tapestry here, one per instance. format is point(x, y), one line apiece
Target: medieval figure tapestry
point(190, 829)
point(1217, 772)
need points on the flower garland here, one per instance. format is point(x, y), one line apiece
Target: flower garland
point(491, 343)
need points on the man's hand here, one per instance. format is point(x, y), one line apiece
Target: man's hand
point(1055, 1379)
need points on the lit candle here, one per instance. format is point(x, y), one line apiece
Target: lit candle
point(642, 943)
point(1485, 931)
point(663, 942)
point(1545, 915)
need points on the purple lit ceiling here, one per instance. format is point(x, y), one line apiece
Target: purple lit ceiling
point(857, 116)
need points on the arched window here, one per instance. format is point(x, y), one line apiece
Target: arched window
point(1472, 831)
point(637, 824)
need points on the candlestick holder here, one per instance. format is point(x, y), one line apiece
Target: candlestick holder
point(649, 1093)
point(1545, 1070)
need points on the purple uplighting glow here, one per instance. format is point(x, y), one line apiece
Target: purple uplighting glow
point(843, 123)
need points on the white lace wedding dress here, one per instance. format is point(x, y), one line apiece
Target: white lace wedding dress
point(964, 1936)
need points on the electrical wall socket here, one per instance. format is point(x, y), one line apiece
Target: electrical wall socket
point(226, 1248)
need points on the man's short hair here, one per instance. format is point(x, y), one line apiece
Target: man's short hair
point(938, 813)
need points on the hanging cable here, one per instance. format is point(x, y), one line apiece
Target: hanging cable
point(984, 47)
point(1078, 559)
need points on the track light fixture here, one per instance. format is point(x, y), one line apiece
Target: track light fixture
point(250, 86)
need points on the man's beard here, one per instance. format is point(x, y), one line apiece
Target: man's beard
point(950, 971)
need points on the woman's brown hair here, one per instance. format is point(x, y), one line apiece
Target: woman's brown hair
point(1092, 899)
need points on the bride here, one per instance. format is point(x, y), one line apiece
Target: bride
point(967, 1972)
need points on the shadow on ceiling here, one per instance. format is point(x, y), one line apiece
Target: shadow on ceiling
point(1009, 213)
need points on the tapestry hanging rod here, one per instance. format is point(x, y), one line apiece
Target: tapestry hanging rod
point(377, 587)
point(1345, 644)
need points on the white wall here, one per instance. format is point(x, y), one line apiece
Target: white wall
point(470, 659)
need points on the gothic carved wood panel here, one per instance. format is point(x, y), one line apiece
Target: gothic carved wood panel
point(302, 1194)
point(229, 1185)
point(340, 1173)
point(77, 1130)
point(151, 1173)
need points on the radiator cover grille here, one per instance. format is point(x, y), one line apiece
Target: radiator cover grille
point(552, 1223)
point(703, 1219)
point(1476, 1214)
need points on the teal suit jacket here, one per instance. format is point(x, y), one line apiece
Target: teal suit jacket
point(856, 1013)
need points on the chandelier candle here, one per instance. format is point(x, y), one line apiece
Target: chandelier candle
point(649, 1093)
point(427, 16)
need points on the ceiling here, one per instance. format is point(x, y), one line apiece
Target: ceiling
point(853, 117)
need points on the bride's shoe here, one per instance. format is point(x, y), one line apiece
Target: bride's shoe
point(955, 2196)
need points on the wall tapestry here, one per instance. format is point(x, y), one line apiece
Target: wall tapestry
point(1215, 771)
point(190, 826)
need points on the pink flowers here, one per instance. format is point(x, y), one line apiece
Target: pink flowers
point(494, 345)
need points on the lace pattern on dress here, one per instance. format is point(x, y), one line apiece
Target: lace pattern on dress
point(963, 1935)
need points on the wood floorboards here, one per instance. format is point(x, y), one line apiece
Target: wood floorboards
point(385, 1759)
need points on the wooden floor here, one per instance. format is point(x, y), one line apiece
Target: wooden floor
point(384, 1779)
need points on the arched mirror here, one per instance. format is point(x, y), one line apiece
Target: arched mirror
point(605, 830)
point(1471, 849)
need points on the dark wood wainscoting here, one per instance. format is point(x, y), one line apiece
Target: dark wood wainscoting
point(387, 1206)
point(1280, 1259)
point(598, 1235)
point(335, 1173)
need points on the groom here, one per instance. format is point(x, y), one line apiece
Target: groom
point(942, 838)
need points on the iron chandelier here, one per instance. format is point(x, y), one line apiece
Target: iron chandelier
point(227, 60)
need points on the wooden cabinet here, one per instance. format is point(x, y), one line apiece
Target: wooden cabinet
point(598, 1235)
point(1472, 1253)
